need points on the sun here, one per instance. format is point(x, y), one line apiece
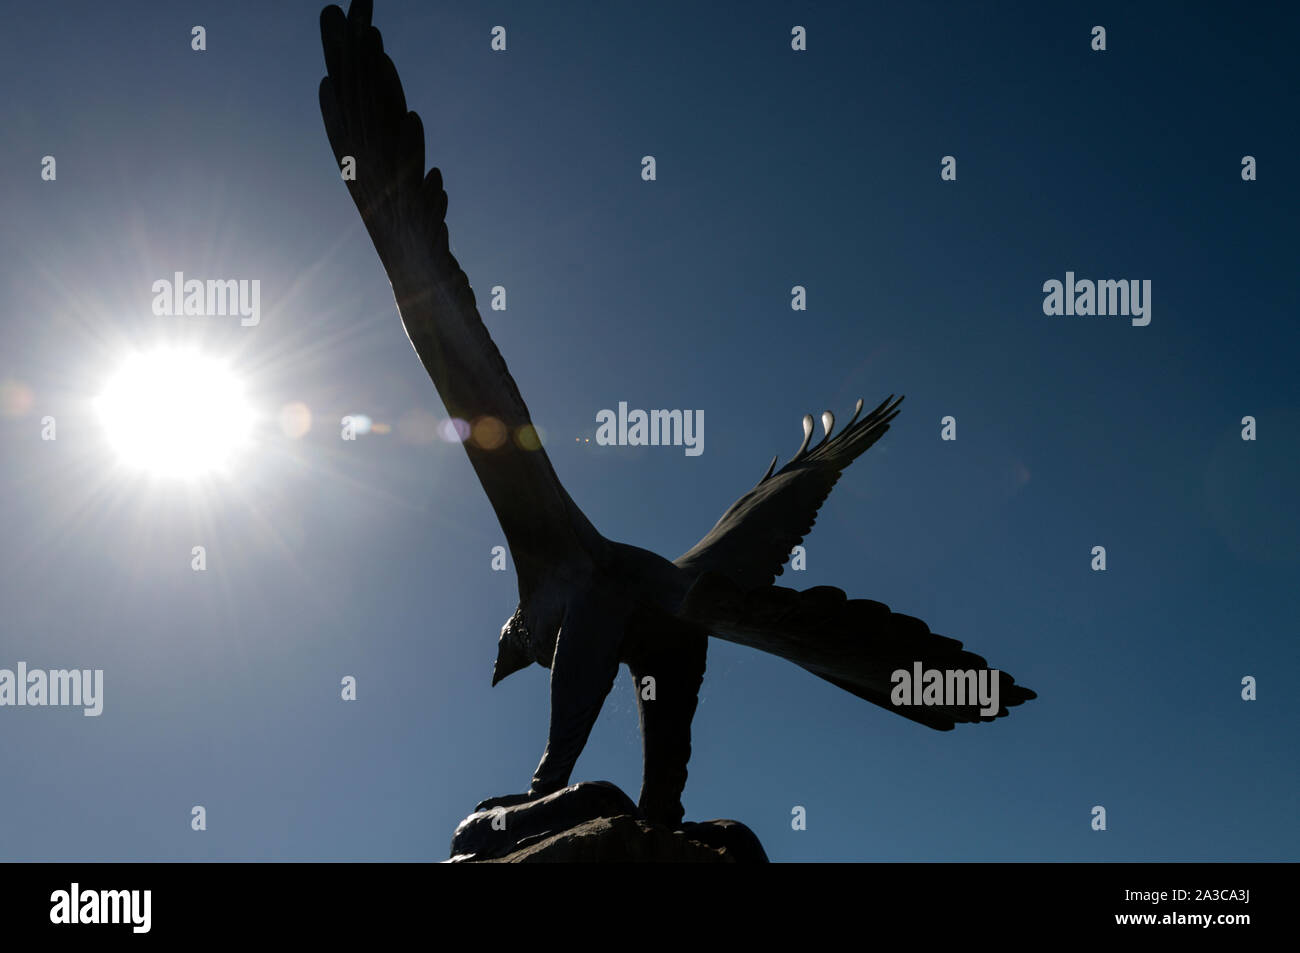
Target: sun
point(175, 413)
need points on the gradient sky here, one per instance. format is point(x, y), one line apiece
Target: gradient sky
point(372, 558)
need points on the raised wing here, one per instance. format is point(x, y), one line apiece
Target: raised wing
point(366, 118)
point(752, 541)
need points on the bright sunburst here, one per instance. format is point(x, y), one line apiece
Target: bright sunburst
point(175, 413)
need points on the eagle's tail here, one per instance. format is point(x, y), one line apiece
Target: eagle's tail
point(860, 646)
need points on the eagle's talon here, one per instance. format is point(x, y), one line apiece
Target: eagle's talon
point(504, 800)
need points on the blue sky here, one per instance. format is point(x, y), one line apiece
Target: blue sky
point(774, 168)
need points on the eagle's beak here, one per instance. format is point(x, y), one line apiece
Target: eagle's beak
point(510, 658)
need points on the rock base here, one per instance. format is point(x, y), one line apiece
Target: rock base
point(593, 822)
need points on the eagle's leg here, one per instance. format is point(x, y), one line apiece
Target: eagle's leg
point(582, 673)
point(666, 675)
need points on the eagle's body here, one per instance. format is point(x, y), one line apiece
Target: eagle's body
point(587, 604)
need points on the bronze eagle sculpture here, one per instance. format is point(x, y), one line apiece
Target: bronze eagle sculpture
point(586, 603)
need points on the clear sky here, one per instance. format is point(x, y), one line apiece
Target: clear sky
point(775, 168)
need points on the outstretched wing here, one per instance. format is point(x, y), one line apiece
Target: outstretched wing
point(855, 644)
point(752, 541)
point(366, 118)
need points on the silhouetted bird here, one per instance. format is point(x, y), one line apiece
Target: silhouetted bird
point(586, 603)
